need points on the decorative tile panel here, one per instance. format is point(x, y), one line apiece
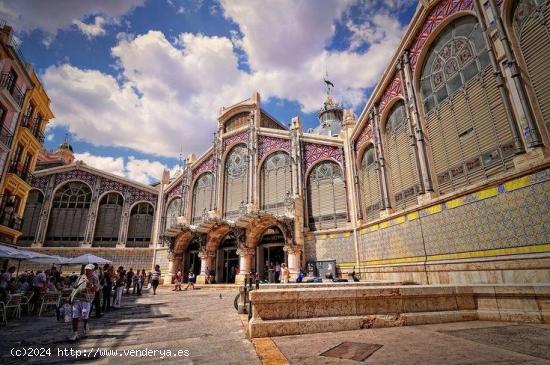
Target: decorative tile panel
point(337, 246)
point(441, 11)
point(236, 138)
point(75, 175)
point(365, 136)
point(315, 152)
point(110, 185)
point(513, 214)
point(40, 182)
point(267, 144)
point(134, 195)
point(206, 165)
point(392, 90)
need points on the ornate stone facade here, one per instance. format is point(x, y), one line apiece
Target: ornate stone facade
point(442, 178)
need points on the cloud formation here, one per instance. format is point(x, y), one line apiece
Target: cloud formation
point(140, 170)
point(166, 95)
point(52, 16)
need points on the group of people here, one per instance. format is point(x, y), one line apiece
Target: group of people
point(96, 288)
point(178, 280)
point(275, 272)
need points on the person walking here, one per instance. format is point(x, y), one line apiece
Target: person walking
point(81, 297)
point(96, 304)
point(119, 286)
point(141, 281)
point(179, 277)
point(155, 278)
point(129, 279)
point(107, 287)
point(191, 280)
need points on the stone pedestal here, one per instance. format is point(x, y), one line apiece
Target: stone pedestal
point(294, 256)
point(207, 263)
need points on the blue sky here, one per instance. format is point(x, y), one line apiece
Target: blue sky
point(137, 82)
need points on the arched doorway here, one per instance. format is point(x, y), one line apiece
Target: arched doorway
point(270, 254)
point(227, 260)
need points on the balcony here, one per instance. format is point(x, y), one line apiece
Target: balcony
point(7, 81)
point(20, 170)
point(8, 216)
point(6, 136)
point(11, 220)
point(33, 125)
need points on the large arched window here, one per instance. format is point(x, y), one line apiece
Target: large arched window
point(69, 215)
point(466, 125)
point(140, 226)
point(532, 28)
point(400, 158)
point(173, 212)
point(276, 182)
point(370, 185)
point(326, 196)
point(236, 180)
point(31, 216)
point(203, 196)
point(109, 215)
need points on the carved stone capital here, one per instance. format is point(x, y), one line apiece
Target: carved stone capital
point(245, 251)
point(205, 255)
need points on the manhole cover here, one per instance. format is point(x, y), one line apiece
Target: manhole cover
point(357, 351)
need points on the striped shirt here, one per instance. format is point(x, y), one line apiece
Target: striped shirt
point(155, 275)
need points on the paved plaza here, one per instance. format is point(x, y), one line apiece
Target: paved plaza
point(205, 324)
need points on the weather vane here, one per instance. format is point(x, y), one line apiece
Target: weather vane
point(328, 83)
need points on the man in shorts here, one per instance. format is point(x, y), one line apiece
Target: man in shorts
point(81, 298)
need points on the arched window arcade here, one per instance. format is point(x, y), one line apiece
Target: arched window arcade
point(326, 196)
point(31, 216)
point(401, 159)
point(109, 216)
point(203, 196)
point(276, 182)
point(140, 225)
point(236, 181)
point(467, 130)
point(69, 215)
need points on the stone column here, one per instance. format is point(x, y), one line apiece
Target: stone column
point(246, 255)
point(168, 276)
point(380, 159)
point(45, 213)
point(412, 109)
point(532, 134)
point(518, 142)
point(207, 262)
point(92, 214)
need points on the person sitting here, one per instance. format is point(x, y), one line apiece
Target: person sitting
point(300, 276)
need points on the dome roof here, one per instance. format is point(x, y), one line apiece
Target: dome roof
point(65, 146)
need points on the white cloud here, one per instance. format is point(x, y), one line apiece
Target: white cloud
point(165, 96)
point(140, 170)
point(93, 29)
point(52, 16)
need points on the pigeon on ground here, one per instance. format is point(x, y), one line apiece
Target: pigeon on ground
point(220, 295)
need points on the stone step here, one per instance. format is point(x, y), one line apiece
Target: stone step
point(284, 327)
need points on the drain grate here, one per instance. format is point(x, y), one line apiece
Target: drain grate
point(357, 351)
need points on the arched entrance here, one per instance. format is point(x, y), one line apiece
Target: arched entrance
point(227, 260)
point(270, 254)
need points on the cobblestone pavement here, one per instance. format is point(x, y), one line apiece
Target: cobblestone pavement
point(199, 321)
point(450, 343)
